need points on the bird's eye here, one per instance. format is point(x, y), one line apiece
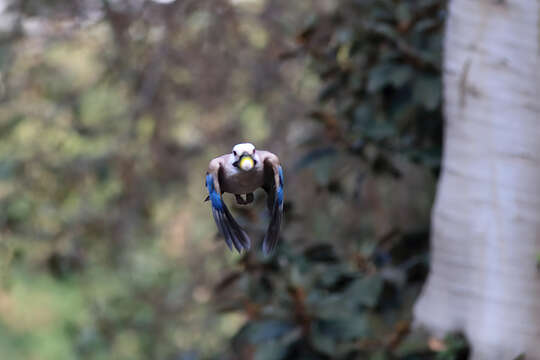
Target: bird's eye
point(254, 151)
point(234, 152)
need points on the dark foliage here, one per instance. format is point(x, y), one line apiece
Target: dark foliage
point(316, 305)
point(380, 65)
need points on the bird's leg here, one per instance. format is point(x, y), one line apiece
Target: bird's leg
point(249, 198)
point(240, 200)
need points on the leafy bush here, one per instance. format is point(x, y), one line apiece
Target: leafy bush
point(380, 64)
point(314, 305)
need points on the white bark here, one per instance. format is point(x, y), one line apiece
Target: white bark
point(486, 219)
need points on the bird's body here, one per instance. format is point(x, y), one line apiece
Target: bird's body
point(237, 181)
point(242, 172)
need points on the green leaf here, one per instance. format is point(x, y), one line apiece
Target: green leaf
point(347, 328)
point(363, 114)
point(356, 81)
point(331, 275)
point(344, 36)
point(277, 349)
point(388, 74)
point(429, 157)
point(273, 350)
point(324, 344)
point(414, 343)
point(427, 91)
point(403, 12)
point(425, 24)
point(329, 307)
point(382, 130)
point(401, 74)
point(261, 331)
point(328, 336)
point(384, 29)
point(366, 290)
point(380, 14)
point(379, 77)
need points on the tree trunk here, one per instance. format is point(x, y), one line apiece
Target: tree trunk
point(484, 279)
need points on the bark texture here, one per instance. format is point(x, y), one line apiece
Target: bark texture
point(486, 219)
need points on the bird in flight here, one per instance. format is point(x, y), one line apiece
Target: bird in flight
point(242, 172)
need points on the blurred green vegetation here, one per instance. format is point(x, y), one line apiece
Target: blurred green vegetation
point(110, 111)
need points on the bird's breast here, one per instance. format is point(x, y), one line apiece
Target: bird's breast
point(242, 182)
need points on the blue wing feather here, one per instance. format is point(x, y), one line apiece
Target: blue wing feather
point(228, 227)
point(272, 234)
point(215, 198)
point(280, 187)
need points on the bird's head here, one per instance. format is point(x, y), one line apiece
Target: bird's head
point(244, 156)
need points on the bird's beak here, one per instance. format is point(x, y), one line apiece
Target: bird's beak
point(246, 162)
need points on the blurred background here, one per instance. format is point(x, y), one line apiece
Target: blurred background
point(110, 112)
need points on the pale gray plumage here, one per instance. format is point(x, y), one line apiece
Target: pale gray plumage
point(242, 172)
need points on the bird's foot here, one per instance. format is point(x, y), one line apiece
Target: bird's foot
point(241, 201)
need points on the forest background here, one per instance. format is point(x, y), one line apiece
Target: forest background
point(110, 111)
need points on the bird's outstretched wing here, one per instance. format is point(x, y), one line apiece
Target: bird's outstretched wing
point(232, 232)
point(274, 188)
